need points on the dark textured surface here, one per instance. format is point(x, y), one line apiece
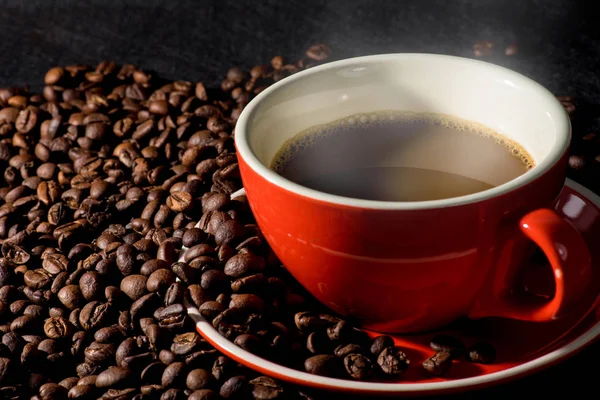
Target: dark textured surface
point(198, 40)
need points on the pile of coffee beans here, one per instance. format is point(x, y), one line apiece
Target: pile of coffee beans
point(105, 175)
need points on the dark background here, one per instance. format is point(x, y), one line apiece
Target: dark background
point(199, 40)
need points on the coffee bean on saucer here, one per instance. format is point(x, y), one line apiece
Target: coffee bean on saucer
point(380, 343)
point(481, 353)
point(358, 366)
point(323, 364)
point(438, 363)
point(393, 361)
point(344, 349)
point(447, 343)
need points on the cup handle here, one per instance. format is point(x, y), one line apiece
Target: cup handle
point(569, 258)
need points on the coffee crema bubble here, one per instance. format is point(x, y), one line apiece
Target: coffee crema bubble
point(401, 156)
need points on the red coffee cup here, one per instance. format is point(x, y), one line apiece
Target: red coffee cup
point(414, 266)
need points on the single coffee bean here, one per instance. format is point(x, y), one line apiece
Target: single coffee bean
point(482, 353)
point(58, 328)
point(244, 264)
point(109, 334)
point(93, 315)
point(134, 286)
point(50, 391)
point(174, 294)
point(174, 374)
point(167, 357)
point(114, 377)
point(199, 379)
point(307, 321)
point(193, 236)
point(343, 350)
point(90, 285)
point(247, 302)
point(98, 353)
point(358, 366)
point(185, 343)
point(234, 387)
point(160, 280)
point(380, 343)
point(70, 296)
point(210, 309)
point(393, 361)
point(323, 364)
point(180, 201)
point(438, 363)
point(171, 317)
point(449, 344)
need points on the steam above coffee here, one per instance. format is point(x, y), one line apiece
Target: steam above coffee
point(401, 156)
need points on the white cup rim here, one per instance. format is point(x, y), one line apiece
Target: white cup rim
point(558, 149)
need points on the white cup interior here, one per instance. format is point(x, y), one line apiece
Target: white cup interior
point(501, 99)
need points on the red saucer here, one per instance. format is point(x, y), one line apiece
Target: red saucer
point(522, 347)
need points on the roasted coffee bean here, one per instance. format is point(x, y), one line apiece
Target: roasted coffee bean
point(71, 297)
point(393, 361)
point(58, 328)
point(198, 379)
point(180, 201)
point(51, 391)
point(15, 253)
point(98, 353)
point(167, 357)
point(210, 309)
point(171, 317)
point(174, 374)
point(134, 286)
point(109, 334)
point(214, 280)
point(90, 285)
point(185, 343)
point(343, 350)
point(93, 315)
point(249, 284)
point(114, 377)
point(438, 363)
point(265, 388)
point(234, 387)
point(160, 280)
point(482, 353)
point(307, 321)
point(358, 366)
point(380, 343)
point(324, 364)
point(174, 294)
point(244, 264)
point(193, 236)
point(449, 344)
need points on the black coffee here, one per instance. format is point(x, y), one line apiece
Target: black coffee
point(401, 156)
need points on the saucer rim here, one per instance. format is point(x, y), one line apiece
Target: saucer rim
point(208, 332)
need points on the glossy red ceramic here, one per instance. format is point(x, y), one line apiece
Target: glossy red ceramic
point(414, 270)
